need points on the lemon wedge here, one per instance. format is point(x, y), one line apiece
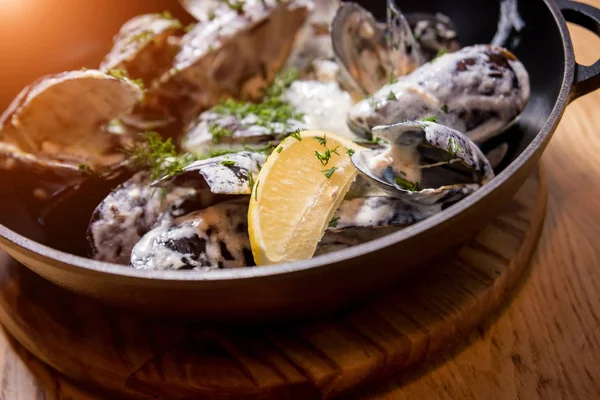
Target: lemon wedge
point(296, 193)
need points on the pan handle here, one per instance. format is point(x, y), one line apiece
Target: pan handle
point(587, 79)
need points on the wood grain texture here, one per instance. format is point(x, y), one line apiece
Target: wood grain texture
point(125, 355)
point(544, 345)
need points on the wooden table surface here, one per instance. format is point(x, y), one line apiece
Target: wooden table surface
point(544, 344)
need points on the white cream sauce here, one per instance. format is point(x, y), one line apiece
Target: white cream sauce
point(324, 105)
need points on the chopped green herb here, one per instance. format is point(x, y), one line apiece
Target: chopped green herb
point(256, 191)
point(272, 110)
point(375, 105)
point(453, 146)
point(296, 135)
point(266, 149)
point(392, 78)
point(219, 152)
point(86, 169)
point(189, 27)
point(326, 156)
point(281, 82)
point(250, 180)
point(218, 132)
point(236, 5)
point(141, 36)
point(322, 140)
point(323, 157)
point(440, 53)
point(279, 149)
point(334, 222)
point(429, 119)
point(118, 73)
point(391, 96)
point(329, 172)
point(407, 185)
point(166, 15)
point(445, 108)
point(158, 156)
point(350, 152)
point(122, 75)
point(228, 163)
point(169, 16)
point(211, 15)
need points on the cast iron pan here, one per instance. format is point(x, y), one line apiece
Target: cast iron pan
point(330, 281)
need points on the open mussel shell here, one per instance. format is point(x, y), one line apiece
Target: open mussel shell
point(478, 90)
point(144, 47)
point(370, 53)
point(234, 53)
point(426, 163)
point(52, 135)
point(361, 49)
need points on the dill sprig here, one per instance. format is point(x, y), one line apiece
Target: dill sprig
point(123, 75)
point(169, 16)
point(322, 140)
point(407, 185)
point(445, 108)
point(250, 180)
point(142, 36)
point(222, 152)
point(86, 169)
point(453, 147)
point(270, 111)
point(236, 5)
point(392, 96)
point(350, 152)
point(158, 156)
point(329, 172)
point(227, 163)
point(334, 222)
point(266, 149)
point(429, 119)
point(218, 132)
point(296, 135)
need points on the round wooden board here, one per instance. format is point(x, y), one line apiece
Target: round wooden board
point(126, 355)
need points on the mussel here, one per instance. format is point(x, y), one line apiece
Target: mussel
point(233, 52)
point(230, 174)
point(214, 238)
point(132, 209)
point(303, 104)
point(372, 54)
point(425, 163)
point(478, 90)
point(144, 47)
point(54, 134)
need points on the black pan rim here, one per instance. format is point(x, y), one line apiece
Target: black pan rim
point(67, 261)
